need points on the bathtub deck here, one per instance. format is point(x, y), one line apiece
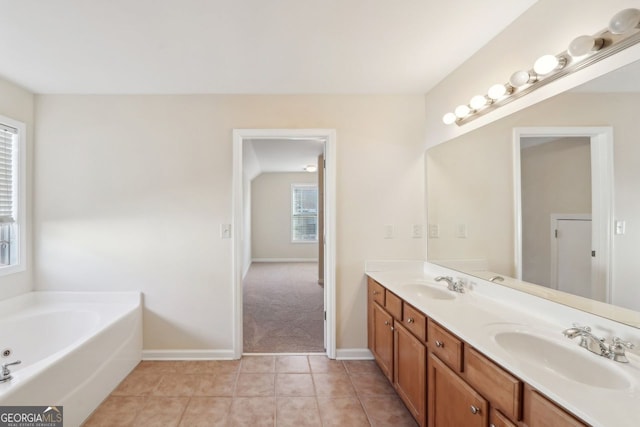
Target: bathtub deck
point(258, 390)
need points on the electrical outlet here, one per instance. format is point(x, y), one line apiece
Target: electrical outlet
point(434, 231)
point(225, 231)
point(389, 231)
point(417, 231)
point(461, 231)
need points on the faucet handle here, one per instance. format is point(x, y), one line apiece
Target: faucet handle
point(618, 348)
point(618, 343)
point(579, 326)
point(5, 370)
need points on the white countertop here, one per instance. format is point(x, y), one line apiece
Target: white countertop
point(476, 315)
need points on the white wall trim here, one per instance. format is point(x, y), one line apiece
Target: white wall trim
point(354, 354)
point(284, 260)
point(329, 136)
point(187, 354)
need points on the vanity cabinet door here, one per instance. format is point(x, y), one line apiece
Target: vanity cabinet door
point(410, 372)
point(452, 402)
point(382, 346)
point(541, 412)
point(375, 293)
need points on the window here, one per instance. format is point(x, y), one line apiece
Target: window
point(304, 213)
point(11, 208)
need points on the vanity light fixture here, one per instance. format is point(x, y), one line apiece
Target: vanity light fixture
point(462, 111)
point(521, 78)
point(548, 63)
point(478, 102)
point(584, 45)
point(499, 91)
point(311, 168)
point(623, 31)
point(624, 21)
point(449, 118)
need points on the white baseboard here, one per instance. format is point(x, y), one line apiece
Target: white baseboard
point(284, 260)
point(187, 355)
point(353, 354)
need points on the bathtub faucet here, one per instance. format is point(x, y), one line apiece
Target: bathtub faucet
point(6, 373)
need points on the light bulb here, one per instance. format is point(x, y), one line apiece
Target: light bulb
point(478, 102)
point(548, 63)
point(583, 45)
point(462, 111)
point(521, 78)
point(311, 168)
point(498, 91)
point(449, 118)
point(624, 21)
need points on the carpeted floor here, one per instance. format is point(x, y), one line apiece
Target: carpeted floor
point(283, 308)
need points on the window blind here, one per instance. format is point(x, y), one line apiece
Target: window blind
point(8, 139)
point(304, 221)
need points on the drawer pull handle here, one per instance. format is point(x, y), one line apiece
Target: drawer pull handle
point(439, 344)
point(410, 320)
point(376, 292)
point(475, 410)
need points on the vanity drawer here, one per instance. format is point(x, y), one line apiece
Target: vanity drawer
point(541, 412)
point(414, 321)
point(376, 291)
point(498, 419)
point(445, 345)
point(502, 389)
point(393, 304)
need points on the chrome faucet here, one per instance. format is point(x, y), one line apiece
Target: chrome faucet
point(614, 351)
point(451, 284)
point(5, 375)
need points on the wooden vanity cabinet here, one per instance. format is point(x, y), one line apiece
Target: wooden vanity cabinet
point(443, 381)
point(453, 402)
point(410, 372)
point(382, 339)
point(541, 412)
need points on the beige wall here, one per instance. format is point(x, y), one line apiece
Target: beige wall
point(18, 104)
point(555, 179)
point(131, 191)
point(271, 217)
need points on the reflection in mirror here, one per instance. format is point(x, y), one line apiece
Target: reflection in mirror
point(473, 226)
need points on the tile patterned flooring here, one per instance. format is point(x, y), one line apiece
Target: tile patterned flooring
point(254, 391)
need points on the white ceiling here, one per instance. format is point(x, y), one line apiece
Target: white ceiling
point(286, 155)
point(243, 46)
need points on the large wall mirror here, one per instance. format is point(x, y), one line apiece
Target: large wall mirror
point(547, 200)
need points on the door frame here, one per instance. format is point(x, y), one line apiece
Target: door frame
point(329, 136)
point(601, 144)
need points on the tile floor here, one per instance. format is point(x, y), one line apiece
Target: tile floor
point(255, 391)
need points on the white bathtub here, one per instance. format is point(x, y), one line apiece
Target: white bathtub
point(75, 348)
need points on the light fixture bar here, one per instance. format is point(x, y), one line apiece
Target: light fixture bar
point(610, 45)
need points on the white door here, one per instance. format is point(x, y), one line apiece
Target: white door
point(572, 240)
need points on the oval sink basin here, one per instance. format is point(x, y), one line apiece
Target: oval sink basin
point(577, 364)
point(428, 292)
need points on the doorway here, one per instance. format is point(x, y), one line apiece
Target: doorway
point(325, 248)
point(571, 171)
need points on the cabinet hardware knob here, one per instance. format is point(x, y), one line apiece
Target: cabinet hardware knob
point(475, 410)
point(492, 425)
point(392, 328)
point(410, 320)
point(386, 322)
point(439, 344)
